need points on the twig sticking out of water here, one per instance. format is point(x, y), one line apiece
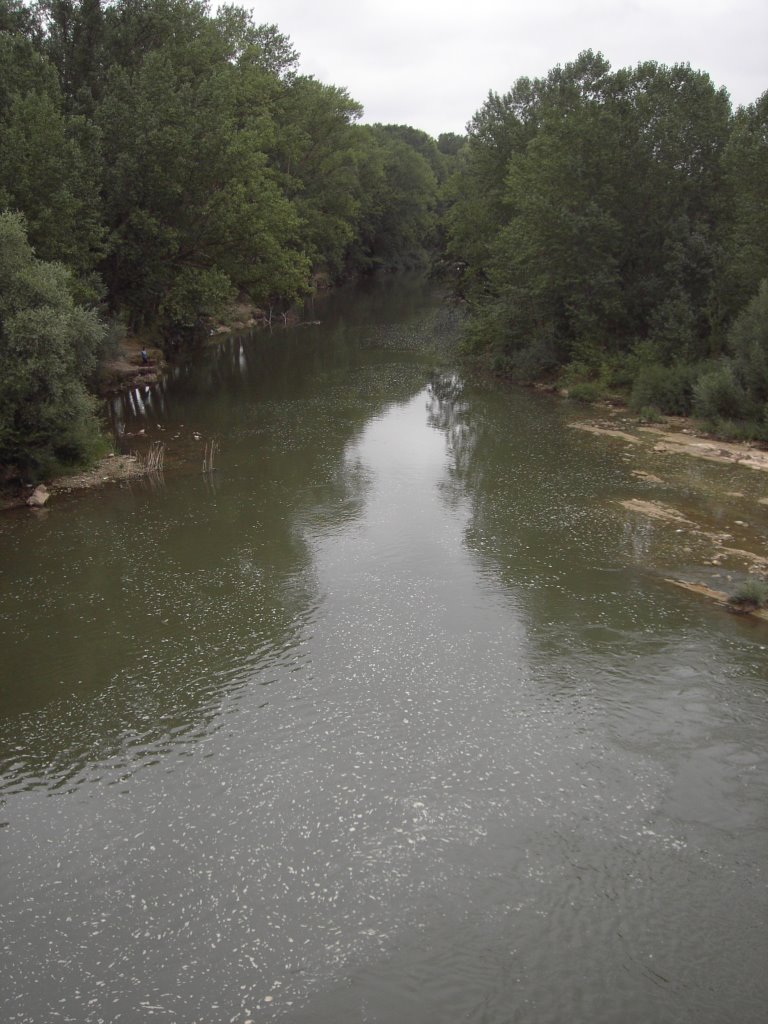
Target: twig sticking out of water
point(153, 459)
point(156, 457)
point(210, 450)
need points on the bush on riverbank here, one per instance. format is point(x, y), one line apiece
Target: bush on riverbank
point(750, 595)
point(48, 349)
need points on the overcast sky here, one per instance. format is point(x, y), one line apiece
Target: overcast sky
point(430, 64)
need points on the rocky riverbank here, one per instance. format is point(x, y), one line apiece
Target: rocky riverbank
point(724, 539)
point(111, 469)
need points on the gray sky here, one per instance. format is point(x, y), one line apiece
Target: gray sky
point(430, 64)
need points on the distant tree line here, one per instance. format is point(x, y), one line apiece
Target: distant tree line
point(610, 232)
point(158, 160)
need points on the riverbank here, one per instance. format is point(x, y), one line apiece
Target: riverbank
point(125, 369)
point(112, 468)
point(723, 555)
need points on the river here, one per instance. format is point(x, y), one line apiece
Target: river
point(391, 717)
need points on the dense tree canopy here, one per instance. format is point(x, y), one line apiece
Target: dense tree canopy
point(609, 224)
point(181, 156)
point(605, 222)
point(173, 158)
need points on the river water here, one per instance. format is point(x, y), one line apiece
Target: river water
point(392, 717)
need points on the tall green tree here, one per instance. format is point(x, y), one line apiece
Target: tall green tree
point(590, 215)
point(194, 209)
point(314, 153)
point(398, 198)
point(49, 163)
point(48, 349)
point(746, 170)
point(195, 212)
point(74, 43)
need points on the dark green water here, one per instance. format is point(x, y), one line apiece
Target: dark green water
point(391, 719)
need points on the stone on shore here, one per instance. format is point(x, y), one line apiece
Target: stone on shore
point(38, 497)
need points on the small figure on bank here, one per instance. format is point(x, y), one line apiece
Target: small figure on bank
point(144, 357)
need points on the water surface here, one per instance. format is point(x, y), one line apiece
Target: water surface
point(392, 717)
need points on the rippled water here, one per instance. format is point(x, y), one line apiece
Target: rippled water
point(391, 718)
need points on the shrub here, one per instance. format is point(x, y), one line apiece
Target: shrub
point(48, 347)
point(536, 360)
point(751, 594)
point(718, 395)
point(748, 343)
point(740, 430)
point(616, 373)
point(650, 414)
point(585, 391)
point(666, 388)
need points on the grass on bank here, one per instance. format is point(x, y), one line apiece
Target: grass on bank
point(749, 595)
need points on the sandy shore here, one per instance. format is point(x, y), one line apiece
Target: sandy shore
point(110, 469)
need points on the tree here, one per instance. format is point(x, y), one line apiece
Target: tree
point(746, 168)
point(314, 153)
point(74, 43)
point(18, 19)
point(49, 163)
point(748, 346)
point(475, 194)
point(589, 215)
point(398, 197)
point(48, 348)
point(194, 211)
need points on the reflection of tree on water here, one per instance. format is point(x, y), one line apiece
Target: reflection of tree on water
point(158, 609)
point(544, 519)
point(539, 523)
point(449, 412)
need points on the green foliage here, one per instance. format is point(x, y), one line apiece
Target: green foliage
point(650, 414)
point(669, 389)
point(612, 224)
point(450, 143)
point(590, 204)
point(181, 154)
point(739, 429)
point(750, 594)
point(48, 347)
point(315, 151)
point(190, 194)
point(16, 19)
point(49, 163)
point(746, 182)
point(585, 391)
point(397, 199)
point(194, 294)
point(718, 395)
point(748, 345)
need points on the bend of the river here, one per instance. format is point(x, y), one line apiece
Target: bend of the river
point(392, 717)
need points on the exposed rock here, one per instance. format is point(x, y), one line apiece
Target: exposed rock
point(655, 510)
point(607, 431)
point(648, 477)
point(713, 451)
point(111, 468)
point(748, 556)
point(719, 597)
point(38, 497)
